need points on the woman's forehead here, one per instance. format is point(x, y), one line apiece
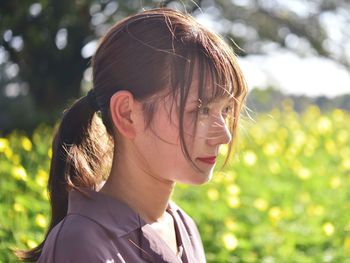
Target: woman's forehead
point(208, 91)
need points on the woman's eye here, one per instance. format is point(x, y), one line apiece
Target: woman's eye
point(227, 110)
point(204, 110)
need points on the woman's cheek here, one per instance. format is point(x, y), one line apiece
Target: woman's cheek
point(190, 120)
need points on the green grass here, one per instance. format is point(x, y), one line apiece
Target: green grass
point(284, 198)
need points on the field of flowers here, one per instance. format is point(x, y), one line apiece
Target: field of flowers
point(284, 198)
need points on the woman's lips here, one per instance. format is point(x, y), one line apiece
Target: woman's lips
point(209, 160)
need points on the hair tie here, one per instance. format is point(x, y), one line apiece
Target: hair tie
point(91, 96)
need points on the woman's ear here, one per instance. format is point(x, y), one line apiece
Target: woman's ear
point(124, 109)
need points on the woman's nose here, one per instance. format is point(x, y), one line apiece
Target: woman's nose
point(219, 132)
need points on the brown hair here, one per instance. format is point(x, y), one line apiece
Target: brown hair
point(150, 53)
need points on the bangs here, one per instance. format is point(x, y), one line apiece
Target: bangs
point(218, 75)
point(214, 80)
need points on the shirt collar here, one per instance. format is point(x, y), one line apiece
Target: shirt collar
point(111, 213)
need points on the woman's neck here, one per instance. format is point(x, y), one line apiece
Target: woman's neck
point(145, 193)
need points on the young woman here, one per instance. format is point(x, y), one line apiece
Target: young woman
point(169, 93)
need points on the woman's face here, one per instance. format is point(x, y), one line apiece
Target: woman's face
point(160, 148)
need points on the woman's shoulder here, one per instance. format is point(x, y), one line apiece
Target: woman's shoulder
point(79, 239)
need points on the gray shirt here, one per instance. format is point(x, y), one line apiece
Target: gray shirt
point(100, 228)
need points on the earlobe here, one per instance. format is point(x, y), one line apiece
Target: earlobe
point(122, 106)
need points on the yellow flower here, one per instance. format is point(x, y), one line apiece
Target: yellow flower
point(223, 150)
point(218, 178)
point(261, 204)
point(8, 153)
point(275, 213)
point(347, 243)
point(324, 125)
point(335, 182)
point(328, 228)
point(291, 153)
point(271, 149)
point(26, 144)
point(19, 173)
point(233, 202)
point(347, 226)
point(303, 173)
point(18, 207)
point(230, 241)
point(311, 145)
point(41, 221)
point(316, 210)
point(45, 194)
point(313, 112)
point(330, 147)
point(41, 177)
point(213, 194)
point(31, 243)
point(230, 224)
point(233, 189)
point(49, 153)
point(342, 136)
point(299, 138)
point(249, 158)
point(346, 164)
point(4, 144)
point(338, 115)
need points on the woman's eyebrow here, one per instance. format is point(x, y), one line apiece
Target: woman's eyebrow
point(225, 100)
point(204, 101)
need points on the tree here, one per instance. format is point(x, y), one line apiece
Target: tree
point(45, 40)
point(319, 27)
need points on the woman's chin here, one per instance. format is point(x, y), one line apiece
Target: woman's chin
point(198, 179)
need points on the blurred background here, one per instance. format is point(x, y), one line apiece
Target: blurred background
point(284, 198)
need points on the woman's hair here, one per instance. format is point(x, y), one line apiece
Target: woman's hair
point(152, 54)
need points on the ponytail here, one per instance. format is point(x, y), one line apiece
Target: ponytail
point(81, 155)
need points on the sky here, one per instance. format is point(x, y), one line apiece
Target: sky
point(312, 76)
